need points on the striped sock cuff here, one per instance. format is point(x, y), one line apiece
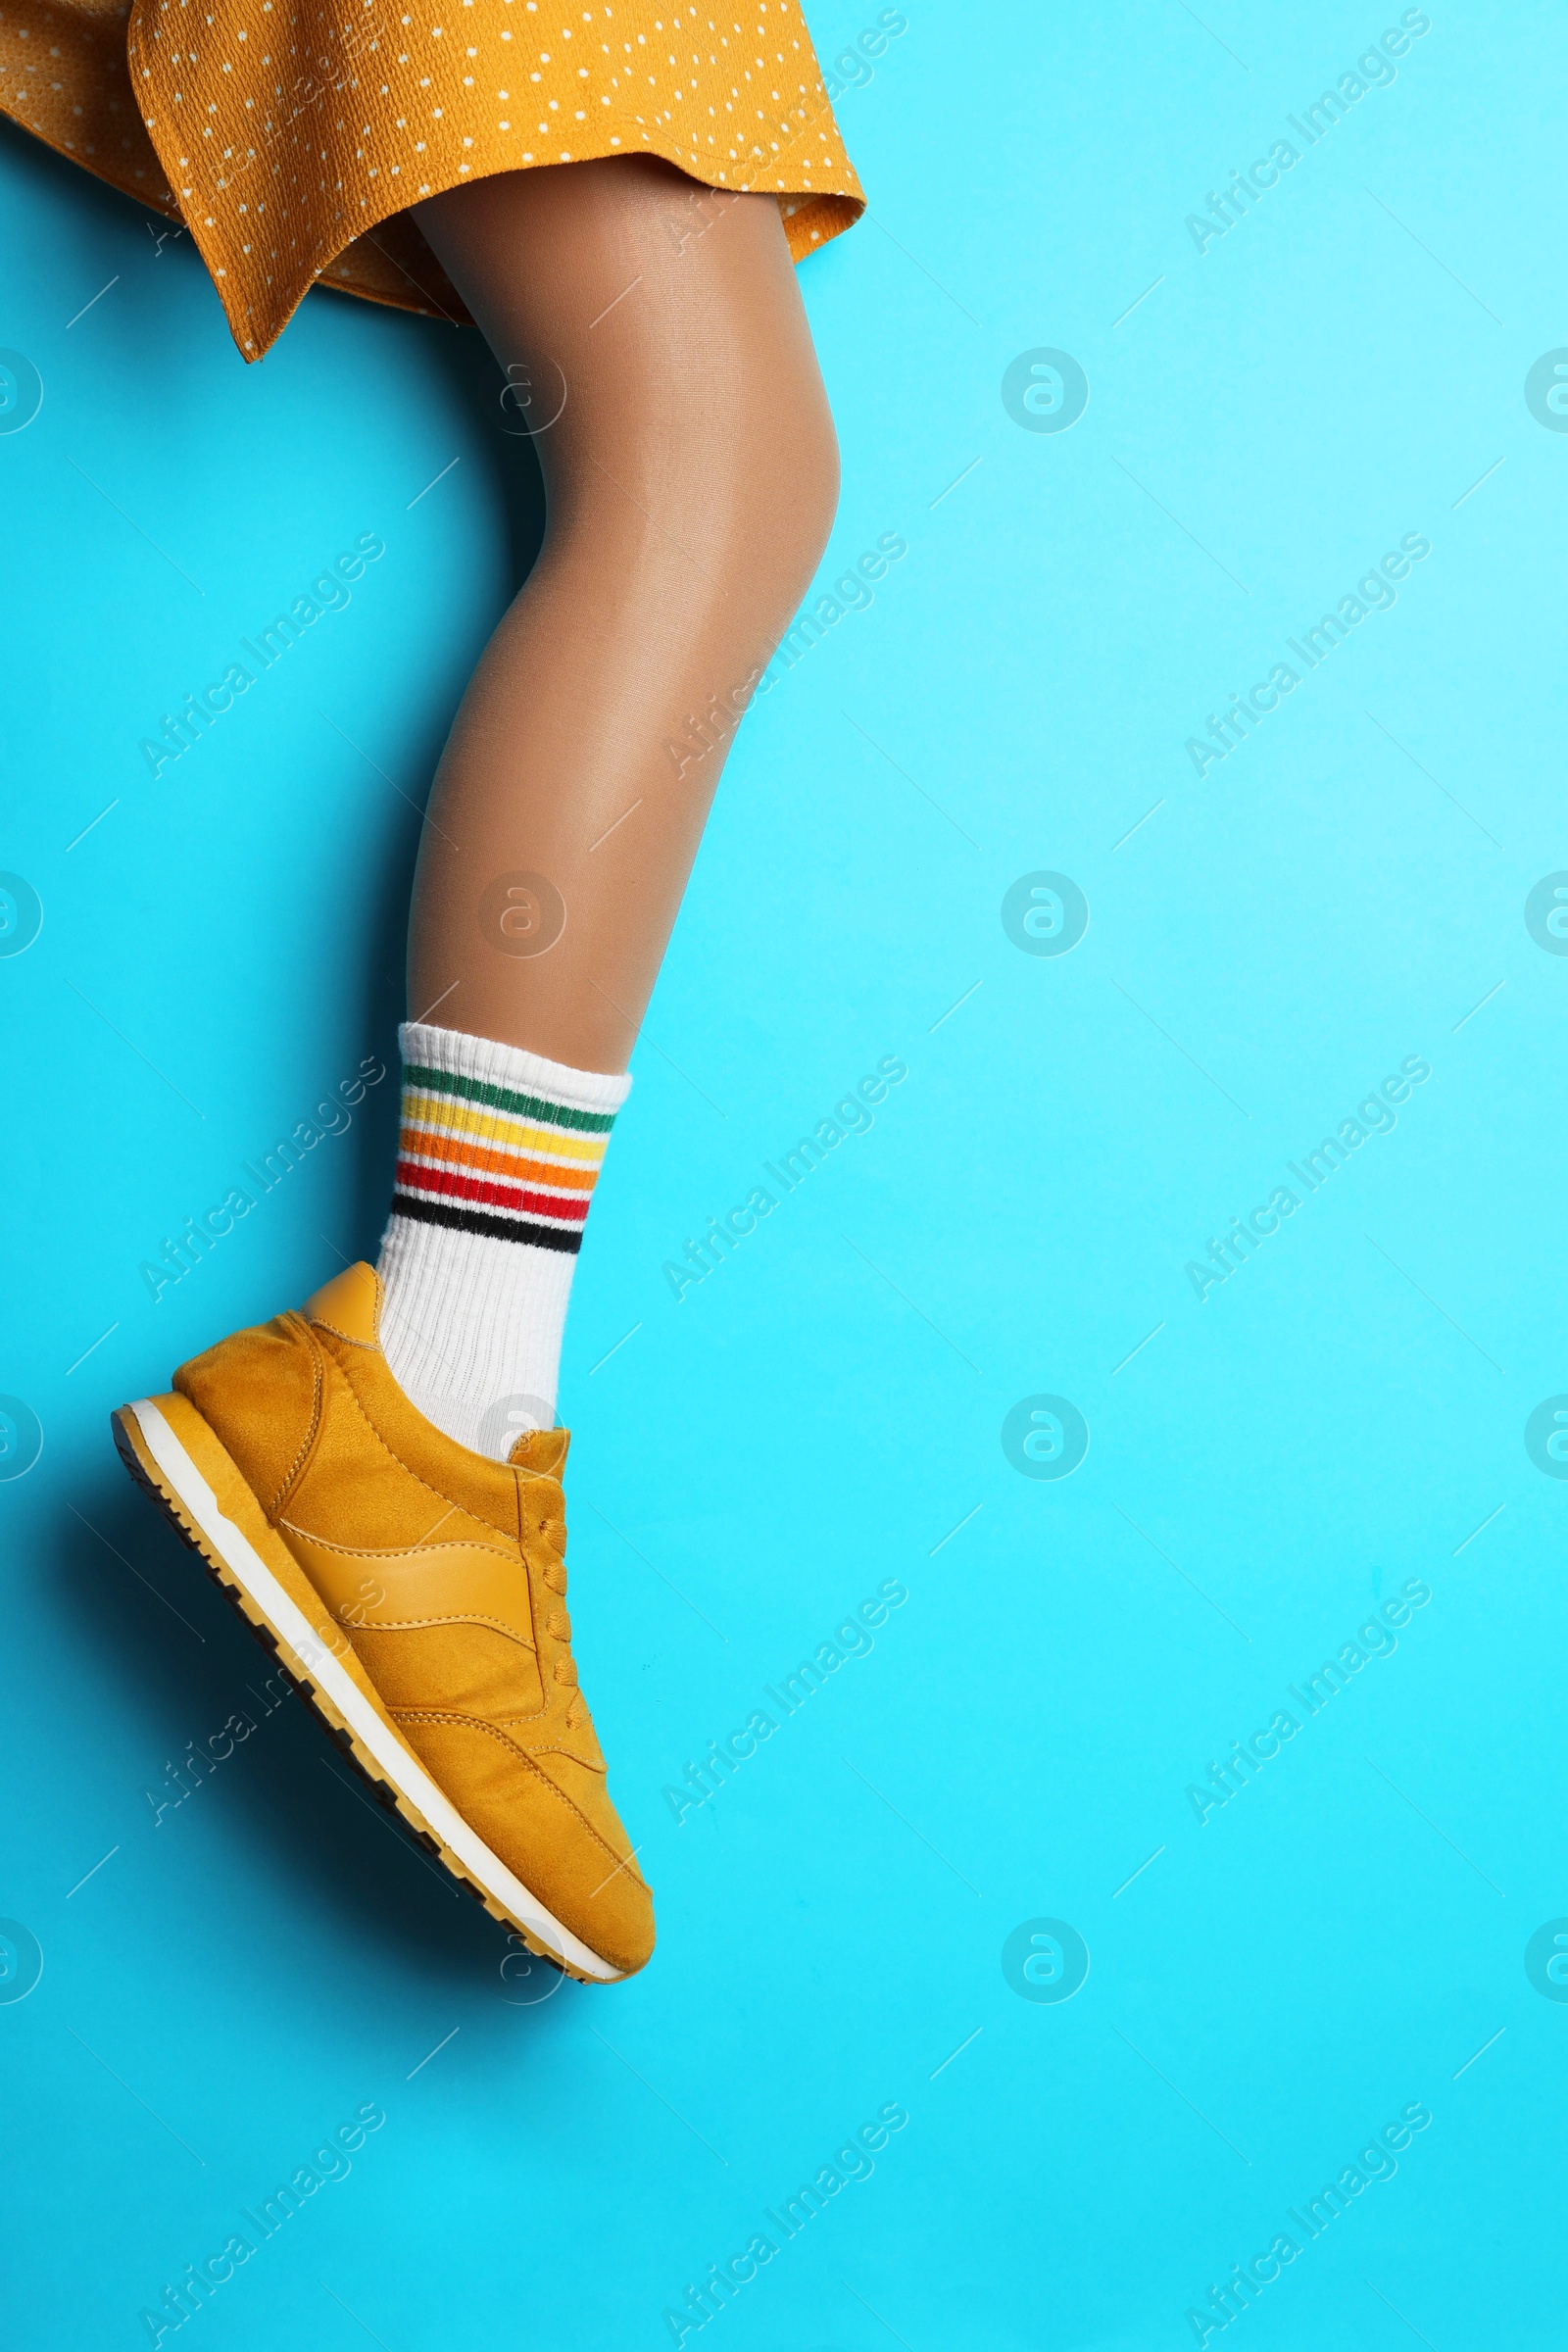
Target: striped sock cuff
point(498, 1142)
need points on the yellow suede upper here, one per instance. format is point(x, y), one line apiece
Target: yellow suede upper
point(447, 1573)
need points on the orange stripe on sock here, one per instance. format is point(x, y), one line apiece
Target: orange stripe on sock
point(485, 1159)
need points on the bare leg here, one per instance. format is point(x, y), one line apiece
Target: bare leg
point(690, 479)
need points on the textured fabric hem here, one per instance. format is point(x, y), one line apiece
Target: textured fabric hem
point(811, 217)
point(156, 196)
point(512, 1075)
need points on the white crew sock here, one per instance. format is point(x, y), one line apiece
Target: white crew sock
point(497, 1159)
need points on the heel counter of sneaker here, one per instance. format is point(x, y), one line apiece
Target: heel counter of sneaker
point(260, 1393)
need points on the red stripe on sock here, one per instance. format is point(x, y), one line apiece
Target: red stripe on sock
point(524, 1202)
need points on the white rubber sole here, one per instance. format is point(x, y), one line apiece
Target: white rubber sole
point(307, 1657)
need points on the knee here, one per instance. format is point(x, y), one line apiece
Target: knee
point(795, 493)
point(817, 482)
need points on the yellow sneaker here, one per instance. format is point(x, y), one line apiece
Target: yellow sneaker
point(415, 1595)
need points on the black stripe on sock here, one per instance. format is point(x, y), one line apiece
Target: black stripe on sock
point(475, 1220)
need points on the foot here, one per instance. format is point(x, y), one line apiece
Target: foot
point(415, 1592)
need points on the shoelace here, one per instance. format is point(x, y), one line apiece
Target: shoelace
point(558, 1625)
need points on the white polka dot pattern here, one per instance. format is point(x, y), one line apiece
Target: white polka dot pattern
point(291, 135)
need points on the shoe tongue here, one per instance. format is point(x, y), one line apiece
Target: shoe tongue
point(349, 1305)
point(541, 1450)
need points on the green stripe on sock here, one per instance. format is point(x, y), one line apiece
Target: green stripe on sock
point(500, 1097)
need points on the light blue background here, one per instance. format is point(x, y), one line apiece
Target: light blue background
point(1340, 1416)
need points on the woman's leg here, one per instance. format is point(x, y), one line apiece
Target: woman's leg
point(690, 481)
point(690, 476)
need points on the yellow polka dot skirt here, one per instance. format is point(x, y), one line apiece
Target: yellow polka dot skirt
point(289, 135)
